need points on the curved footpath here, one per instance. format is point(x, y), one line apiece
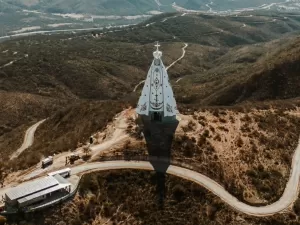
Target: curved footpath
point(180, 58)
point(28, 139)
point(287, 199)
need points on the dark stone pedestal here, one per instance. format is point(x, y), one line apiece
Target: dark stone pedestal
point(160, 188)
point(159, 137)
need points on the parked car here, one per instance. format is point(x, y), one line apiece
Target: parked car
point(73, 157)
point(46, 162)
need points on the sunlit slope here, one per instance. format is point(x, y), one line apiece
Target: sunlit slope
point(268, 71)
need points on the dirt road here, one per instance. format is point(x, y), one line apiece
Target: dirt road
point(28, 139)
point(180, 58)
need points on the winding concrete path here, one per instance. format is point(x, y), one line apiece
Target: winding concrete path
point(287, 199)
point(12, 62)
point(180, 58)
point(179, 79)
point(136, 86)
point(28, 139)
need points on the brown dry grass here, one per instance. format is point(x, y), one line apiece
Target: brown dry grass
point(244, 151)
point(242, 148)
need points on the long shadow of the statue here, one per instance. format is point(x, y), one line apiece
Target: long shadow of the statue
point(159, 136)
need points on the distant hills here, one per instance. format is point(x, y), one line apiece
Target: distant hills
point(135, 7)
point(79, 66)
point(17, 16)
point(252, 57)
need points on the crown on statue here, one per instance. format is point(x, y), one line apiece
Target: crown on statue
point(157, 54)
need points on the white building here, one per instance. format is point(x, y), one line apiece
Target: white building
point(36, 191)
point(157, 99)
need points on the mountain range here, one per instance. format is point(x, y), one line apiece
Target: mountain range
point(225, 64)
point(135, 7)
point(236, 82)
point(21, 16)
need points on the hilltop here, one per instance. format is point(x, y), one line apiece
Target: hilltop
point(217, 68)
point(237, 88)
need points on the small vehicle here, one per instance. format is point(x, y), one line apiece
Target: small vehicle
point(73, 157)
point(46, 162)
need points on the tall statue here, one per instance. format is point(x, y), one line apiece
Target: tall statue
point(157, 99)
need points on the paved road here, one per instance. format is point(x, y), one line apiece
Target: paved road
point(287, 199)
point(28, 139)
point(289, 196)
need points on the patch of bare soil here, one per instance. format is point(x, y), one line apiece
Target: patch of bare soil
point(126, 134)
point(115, 133)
